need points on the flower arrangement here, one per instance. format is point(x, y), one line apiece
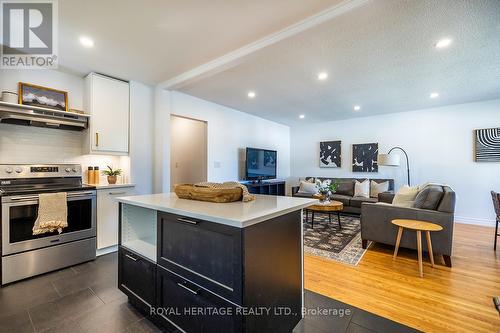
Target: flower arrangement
point(112, 174)
point(326, 188)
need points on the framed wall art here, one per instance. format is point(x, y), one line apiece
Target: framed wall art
point(30, 94)
point(364, 157)
point(330, 154)
point(487, 145)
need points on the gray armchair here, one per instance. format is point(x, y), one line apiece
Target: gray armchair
point(376, 224)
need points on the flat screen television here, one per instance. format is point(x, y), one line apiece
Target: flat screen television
point(260, 164)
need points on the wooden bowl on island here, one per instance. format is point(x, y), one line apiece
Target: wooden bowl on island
point(191, 192)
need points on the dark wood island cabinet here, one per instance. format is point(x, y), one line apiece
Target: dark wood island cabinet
point(220, 275)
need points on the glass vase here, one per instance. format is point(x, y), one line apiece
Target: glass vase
point(324, 198)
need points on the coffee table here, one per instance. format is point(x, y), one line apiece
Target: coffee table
point(418, 226)
point(327, 208)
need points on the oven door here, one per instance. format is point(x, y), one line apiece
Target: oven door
point(19, 214)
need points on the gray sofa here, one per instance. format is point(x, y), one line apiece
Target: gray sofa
point(376, 224)
point(345, 193)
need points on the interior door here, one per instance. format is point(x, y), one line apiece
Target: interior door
point(188, 152)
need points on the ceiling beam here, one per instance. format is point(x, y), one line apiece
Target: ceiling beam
point(233, 58)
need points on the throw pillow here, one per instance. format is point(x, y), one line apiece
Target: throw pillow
point(429, 197)
point(405, 197)
point(309, 188)
point(346, 187)
point(362, 189)
point(376, 188)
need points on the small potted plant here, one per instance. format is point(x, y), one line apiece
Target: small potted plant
point(112, 174)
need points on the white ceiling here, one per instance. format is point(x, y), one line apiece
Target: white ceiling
point(154, 40)
point(380, 55)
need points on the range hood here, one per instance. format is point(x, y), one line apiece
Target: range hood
point(28, 115)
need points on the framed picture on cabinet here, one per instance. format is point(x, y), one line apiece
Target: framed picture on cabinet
point(30, 94)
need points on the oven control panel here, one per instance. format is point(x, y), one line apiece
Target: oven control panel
point(9, 171)
point(44, 169)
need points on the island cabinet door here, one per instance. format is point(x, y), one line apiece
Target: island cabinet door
point(207, 253)
point(137, 278)
point(191, 308)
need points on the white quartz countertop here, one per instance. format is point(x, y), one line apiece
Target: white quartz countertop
point(237, 214)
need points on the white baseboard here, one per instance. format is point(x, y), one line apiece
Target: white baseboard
point(106, 250)
point(475, 221)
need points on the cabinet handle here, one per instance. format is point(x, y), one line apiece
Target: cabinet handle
point(187, 288)
point(130, 257)
point(116, 193)
point(97, 139)
point(187, 221)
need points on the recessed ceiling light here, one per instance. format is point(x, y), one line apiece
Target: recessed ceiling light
point(322, 76)
point(357, 107)
point(251, 94)
point(302, 116)
point(434, 95)
point(443, 43)
point(86, 41)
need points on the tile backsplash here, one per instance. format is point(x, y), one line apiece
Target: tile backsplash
point(34, 145)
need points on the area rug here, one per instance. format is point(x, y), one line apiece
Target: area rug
point(327, 240)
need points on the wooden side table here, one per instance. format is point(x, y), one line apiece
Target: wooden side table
point(418, 226)
point(328, 208)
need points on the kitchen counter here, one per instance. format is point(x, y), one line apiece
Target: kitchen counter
point(236, 214)
point(185, 254)
point(111, 186)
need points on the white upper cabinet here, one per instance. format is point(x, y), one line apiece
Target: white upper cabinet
point(108, 102)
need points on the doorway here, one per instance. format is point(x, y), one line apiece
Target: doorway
point(188, 151)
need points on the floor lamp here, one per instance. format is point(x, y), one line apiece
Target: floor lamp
point(394, 160)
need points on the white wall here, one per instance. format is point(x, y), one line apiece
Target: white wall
point(229, 133)
point(32, 145)
point(73, 84)
point(141, 136)
point(161, 168)
point(439, 142)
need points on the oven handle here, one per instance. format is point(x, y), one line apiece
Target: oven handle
point(35, 197)
point(80, 194)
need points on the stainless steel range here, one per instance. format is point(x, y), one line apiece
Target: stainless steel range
point(25, 254)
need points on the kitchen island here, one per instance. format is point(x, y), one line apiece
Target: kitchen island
point(213, 267)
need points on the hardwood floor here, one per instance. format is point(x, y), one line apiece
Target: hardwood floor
point(457, 299)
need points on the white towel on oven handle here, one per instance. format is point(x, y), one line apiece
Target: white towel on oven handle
point(52, 213)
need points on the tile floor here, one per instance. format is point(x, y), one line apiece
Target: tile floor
point(85, 298)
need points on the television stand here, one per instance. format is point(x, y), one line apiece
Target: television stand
point(267, 187)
